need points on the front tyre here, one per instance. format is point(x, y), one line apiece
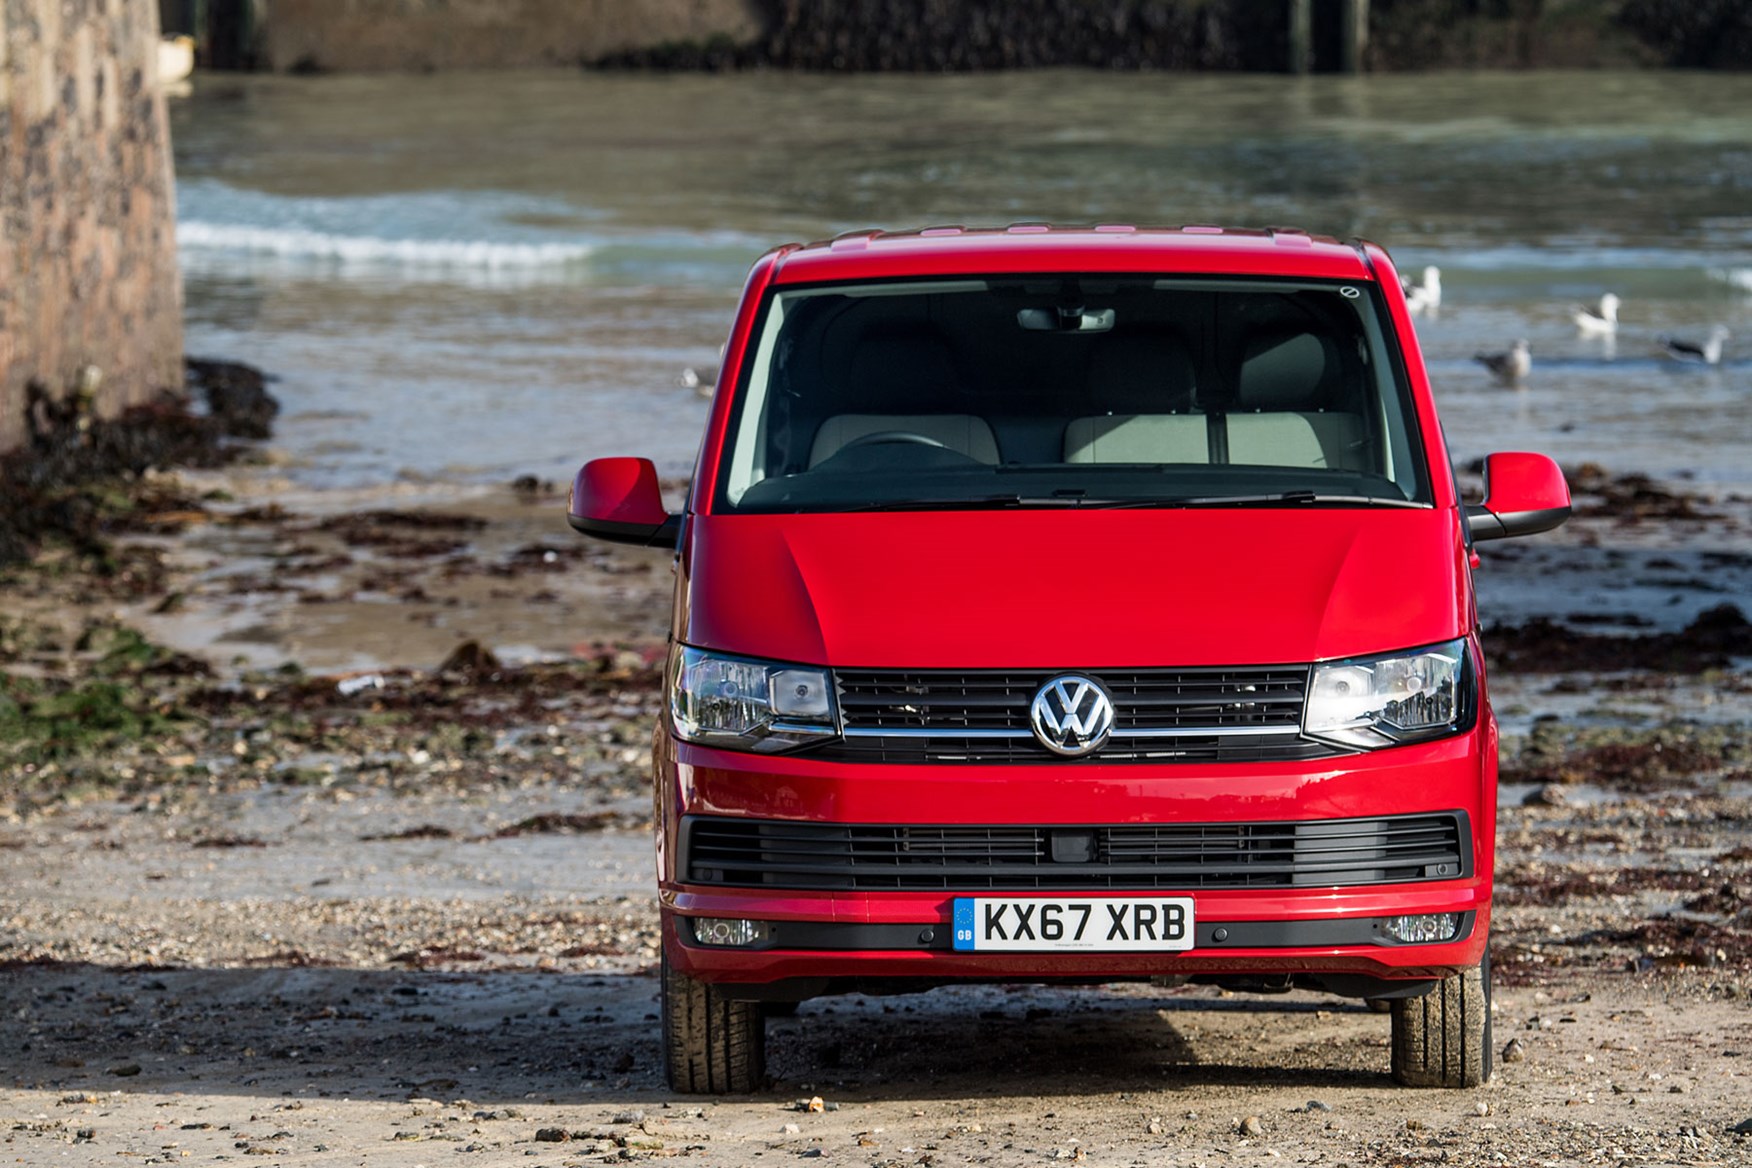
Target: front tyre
point(712, 1045)
point(1443, 1038)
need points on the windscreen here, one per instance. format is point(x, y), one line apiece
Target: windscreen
point(1071, 390)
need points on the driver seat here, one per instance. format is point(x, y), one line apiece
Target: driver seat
point(896, 376)
point(962, 433)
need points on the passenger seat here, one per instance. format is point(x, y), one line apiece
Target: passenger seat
point(898, 375)
point(1145, 382)
point(1287, 377)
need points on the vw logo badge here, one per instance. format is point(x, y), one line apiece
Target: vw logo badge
point(1072, 715)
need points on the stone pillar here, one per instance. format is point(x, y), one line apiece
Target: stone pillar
point(1301, 36)
point(88, 271)
point(1354, 37)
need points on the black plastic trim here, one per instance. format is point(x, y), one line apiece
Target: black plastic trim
point(972, 858)
point(664, 534)
point(845, 937)
point(1485, 524)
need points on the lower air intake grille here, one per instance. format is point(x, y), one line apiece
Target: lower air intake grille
point(1311, 854)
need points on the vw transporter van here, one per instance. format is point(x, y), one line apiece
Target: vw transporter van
point(1073, 606)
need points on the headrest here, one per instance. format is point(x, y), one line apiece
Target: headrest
point(900, 371)
point(1141, 372)
point(1287, 370)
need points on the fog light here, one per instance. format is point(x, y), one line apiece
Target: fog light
point(728, 931)
point(1422, 930)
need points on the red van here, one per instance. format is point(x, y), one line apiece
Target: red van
point(1074, 605)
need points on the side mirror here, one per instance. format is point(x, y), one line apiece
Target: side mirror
point(618, 499)
point(1523, 494)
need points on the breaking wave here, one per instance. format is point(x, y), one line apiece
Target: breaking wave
point(293, 243)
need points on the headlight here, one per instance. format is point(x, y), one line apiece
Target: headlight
point(741, 704)
point(1385, 701)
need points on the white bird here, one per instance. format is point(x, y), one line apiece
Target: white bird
point(1707, 352)
point(1510, 368)
point(176, 59)
point(701, 383)
point(1424, 297)
point(1603, 323)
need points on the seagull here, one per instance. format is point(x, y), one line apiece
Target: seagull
point(700, 382)
point(1511, 367)
point(1708, 352)
point(176, 59)
point(1603, 323)
point(1424, 296)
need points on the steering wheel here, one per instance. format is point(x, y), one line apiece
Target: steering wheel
point(883, 437)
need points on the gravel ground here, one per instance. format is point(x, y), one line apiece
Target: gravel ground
point(376, 912)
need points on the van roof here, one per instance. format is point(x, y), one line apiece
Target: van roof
point(1038, 247)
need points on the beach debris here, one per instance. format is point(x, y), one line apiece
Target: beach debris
point(1541, 645)
point(358, 683)
point(237, 396)
point(470, 659)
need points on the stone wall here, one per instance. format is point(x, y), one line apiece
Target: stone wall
point(87, 217)
point(349, 35)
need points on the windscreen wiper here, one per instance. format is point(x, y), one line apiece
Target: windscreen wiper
point(1276, 499)
point(988, 503)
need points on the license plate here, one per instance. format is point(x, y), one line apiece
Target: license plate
point(1095, 924)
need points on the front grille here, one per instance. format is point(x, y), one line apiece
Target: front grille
point(1311, 854)
point(1182, 715)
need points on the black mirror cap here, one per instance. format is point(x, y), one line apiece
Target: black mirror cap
point(1487, 524)
point(665, 534)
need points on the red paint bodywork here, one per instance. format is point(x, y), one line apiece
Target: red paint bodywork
point(1075, 589)
point(618, 490)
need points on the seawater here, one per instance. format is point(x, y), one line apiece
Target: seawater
point(469, 277)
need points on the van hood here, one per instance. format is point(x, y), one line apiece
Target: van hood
point(1073, 589)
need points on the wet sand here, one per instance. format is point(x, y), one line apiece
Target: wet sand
point(393, 906)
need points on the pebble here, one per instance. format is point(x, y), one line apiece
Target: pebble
point(552, 1135)
point(1514, 1052)
point(1549, 795)
point(791, 1129)
point(1481, 1108)
point(628, 1117)
point(1251, 1126)
point(1316, 1105)
point(1743, 1128)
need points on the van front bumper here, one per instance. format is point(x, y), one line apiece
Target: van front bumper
point(1270, 919)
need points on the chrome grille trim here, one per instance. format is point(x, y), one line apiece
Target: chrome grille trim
point(1195, 714)
point(1259, 732)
